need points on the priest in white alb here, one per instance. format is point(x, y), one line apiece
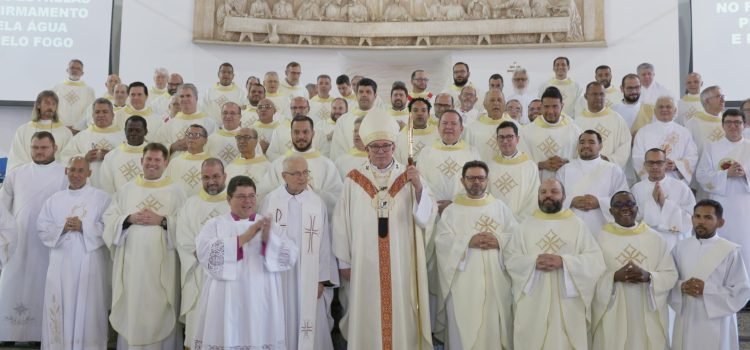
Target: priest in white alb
point(23, 193)
point(674, 139)
point(629, 310)
point(172, 134)
point(140, 227)
point(590, 181)
point(712, 285)
point(690, 104)
point(723, 175)
point(552, 139)
point(469, 242)
point(308, 287)
point(8, 236)
point(666, 203)
point(616, 137)
point(569, 89)
point(554, 264)
point(481, 132)
point(222, 92)
point(122, 164)
point(242, 255)
point(185, 169)
point(95, 142)
point(513, 177)
point(706, 126)
point(210, 202)
point(380, 225)
point(44, 117)
point(367, 93)
point(356, 156)
point(423, 135)
point(441, 162)
point(77, 292)
point(75, 96)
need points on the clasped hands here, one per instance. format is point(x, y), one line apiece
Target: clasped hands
point(586, 202)
point(145, 217)
point(73, 224)
point(484, 241)
point(548, 262)
point(693, 287)
point(632, 273)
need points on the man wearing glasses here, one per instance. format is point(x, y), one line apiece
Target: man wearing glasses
point(706, 126)
point(185, 169)
point(221, 144)
point(251, 162)
point(266, 123)
point(521, 92)
point(172, 134)
point(419, 80)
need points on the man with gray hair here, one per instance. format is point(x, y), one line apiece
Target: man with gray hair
point(705, 126)
point(521, 92)
point(75, 95)
point(185, 168)
point(303, 217)
point(651, 90)
point(159, 95)
point(273, 92)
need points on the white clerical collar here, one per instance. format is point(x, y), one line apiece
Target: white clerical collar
point(384, 170)
point(288, 194)
point(513, 156)
point(44, 121)
point(660, 181)
point(635, 225)
point(634, 104)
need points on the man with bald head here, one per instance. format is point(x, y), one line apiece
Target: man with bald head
point(77, 293)
point(266, 124)
point(443, 102)
point(210, 202)
point(554, 264)
point(690, 103)
point(467, 99)
point(419, 80)
point(120, 96)
point(109, 84)
point(481, 133)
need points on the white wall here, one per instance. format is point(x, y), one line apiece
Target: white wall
point(159, 33)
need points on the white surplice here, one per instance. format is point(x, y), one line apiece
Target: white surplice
point(552, 309)
point(672, 220)
point(476, 291)
point(303, 218)
point(709, 321)
point(632, 316)
point(145, 275)
point(241, 306)
point(196, 211)
point(732, 192)
point(24, 192)
point(596, 177)
point(77, 293)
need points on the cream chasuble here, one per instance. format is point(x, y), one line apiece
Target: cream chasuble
point(423, 139)
point(75, 98)
point(401, 116)
point(190, 219)
point(441, 166)
point(303, 218)
point(705, 129)
point(218, 95)
point(93, 138)
point(570, 91)
point(552, 309)
point(732, 192)
point(298, 90)
point(596, 177)
point(77, 294)
point(515, 181)
point(256, 168)
point(20, 147)
point(145, 274)
point(616, 137)
point(672, 220)
point(633, 112)
point(222, 145)
point(24, 192)
point(633, 315)
point(323, 179)
point(120, 166)
point(543, 140)
point(158, 100)
point(350, 161)
point(242, 284)
point(185, 171)
point(482, 135)
point(650, 94)
point(469, 116)
point(154, 120)
point(676, 142)
point(613, 96)
point(383, 312)
point(249, 116)
point(281, 102)
point(687, 107)
point(709, 321)
point(645, 116)
point(265, 131)
point(343, 134)
point(476, 290)
point(175, 129)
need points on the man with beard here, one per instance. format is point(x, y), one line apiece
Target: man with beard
point(24, 192)
point(419, 81)
point(122, 164)
point(569, 89)
point(367, 93)
point(475, 288)
point(591, 181)
point(210, 202)
point(630, 107)
point(481, 133)
point(174, 82)
point(461, 76)
point(629, 310)
point(690, 104)
point(255, 93)
point(323, 178)
point(613, 95)
point(327, 125)
point(44, 117)
point(399, 98)
point(554, 264)
point(75, 96)
point(424, 134)
point(712, 286)
point(521, 92)
point(185, 168)
point(281, 139)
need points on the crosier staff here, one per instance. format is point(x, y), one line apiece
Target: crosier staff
point(410, 141)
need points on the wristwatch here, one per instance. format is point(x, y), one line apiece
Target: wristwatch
point(164, 223)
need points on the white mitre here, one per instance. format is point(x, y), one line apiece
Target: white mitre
point(378, 125)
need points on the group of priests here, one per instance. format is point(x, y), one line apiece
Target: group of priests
point(576, 217)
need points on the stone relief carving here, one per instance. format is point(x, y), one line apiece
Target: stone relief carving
point(400, 23)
